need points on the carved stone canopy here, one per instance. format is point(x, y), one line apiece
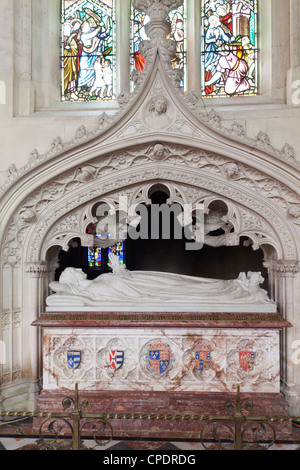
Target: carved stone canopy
point(160, 135)
point(156, 9)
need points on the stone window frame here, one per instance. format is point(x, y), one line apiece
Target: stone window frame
point(37, 70)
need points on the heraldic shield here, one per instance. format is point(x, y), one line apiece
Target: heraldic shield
point(116, 359)
point(246, 359)
point(159, 357)
point(202, 358)
point(73, 358)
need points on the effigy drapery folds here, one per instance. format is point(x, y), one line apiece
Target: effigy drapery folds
point(124, 290)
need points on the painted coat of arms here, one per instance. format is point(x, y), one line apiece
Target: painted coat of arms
point(73, 358)
point(116, 359)
point(202, 357)
point(159, 357)
point(246, 359)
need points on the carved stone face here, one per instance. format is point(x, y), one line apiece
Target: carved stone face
point(158, 151)
point(160, 105)
point(294, 211)
point(232, 170)
point(27, 215)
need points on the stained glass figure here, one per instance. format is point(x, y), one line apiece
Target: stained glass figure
point(178, 20)
point(119, 251)
point(229, 48)
point(139, 34)
point(94, 253)
point(94, 257)
point(88, 50)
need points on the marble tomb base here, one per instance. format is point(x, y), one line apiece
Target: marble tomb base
point(162, 363)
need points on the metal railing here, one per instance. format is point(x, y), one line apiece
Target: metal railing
point(75, 418)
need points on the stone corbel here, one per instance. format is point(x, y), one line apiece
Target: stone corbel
point(282, 267)
point(286, 268)
point(156, 9)
point(158, 26)
point(39, 269)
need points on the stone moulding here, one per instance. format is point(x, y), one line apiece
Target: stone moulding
point(87, 319)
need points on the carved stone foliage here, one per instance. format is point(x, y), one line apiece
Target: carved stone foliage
point(235, 222)
point(283, 267)
point(156, 8)
point(73, 226)
point(110, 357)
point(266, 202)
point(60, 359)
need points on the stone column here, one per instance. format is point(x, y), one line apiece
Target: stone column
point(193, 35)
point(157, 30)
point(123, 46)
point(285, 272)
point(33, 305)
point(25, 104)
point(293, 74)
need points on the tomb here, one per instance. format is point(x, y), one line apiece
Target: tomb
point(167, 350)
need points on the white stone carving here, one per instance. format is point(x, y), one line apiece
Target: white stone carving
point(158, 112)
point(156, 8)
point(198, 158)
point(37, 270)
point(155, 291)
point(244, 175)
point(60, 360)
point(105, 364)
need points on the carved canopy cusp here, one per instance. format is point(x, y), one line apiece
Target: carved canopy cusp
point(158, 26)
point(72, 225)
point(156, 9)
point(237, 222)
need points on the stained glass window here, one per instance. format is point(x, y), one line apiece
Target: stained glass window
point(94, 257)
point(177, 20)
point(97, 257)
point(229, 48)
point(139, 34)
point(119, 251)
point(88, 50)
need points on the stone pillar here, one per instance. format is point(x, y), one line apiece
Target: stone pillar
point(157, 30)
point(285, 272)
point(293, 74)
point(24, 104)
point(123, 46)
point(33, 304)
point(193, 35)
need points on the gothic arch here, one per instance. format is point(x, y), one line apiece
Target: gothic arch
point(250, 213)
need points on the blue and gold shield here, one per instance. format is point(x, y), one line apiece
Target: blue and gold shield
point(73, 358)
point(159, 357)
